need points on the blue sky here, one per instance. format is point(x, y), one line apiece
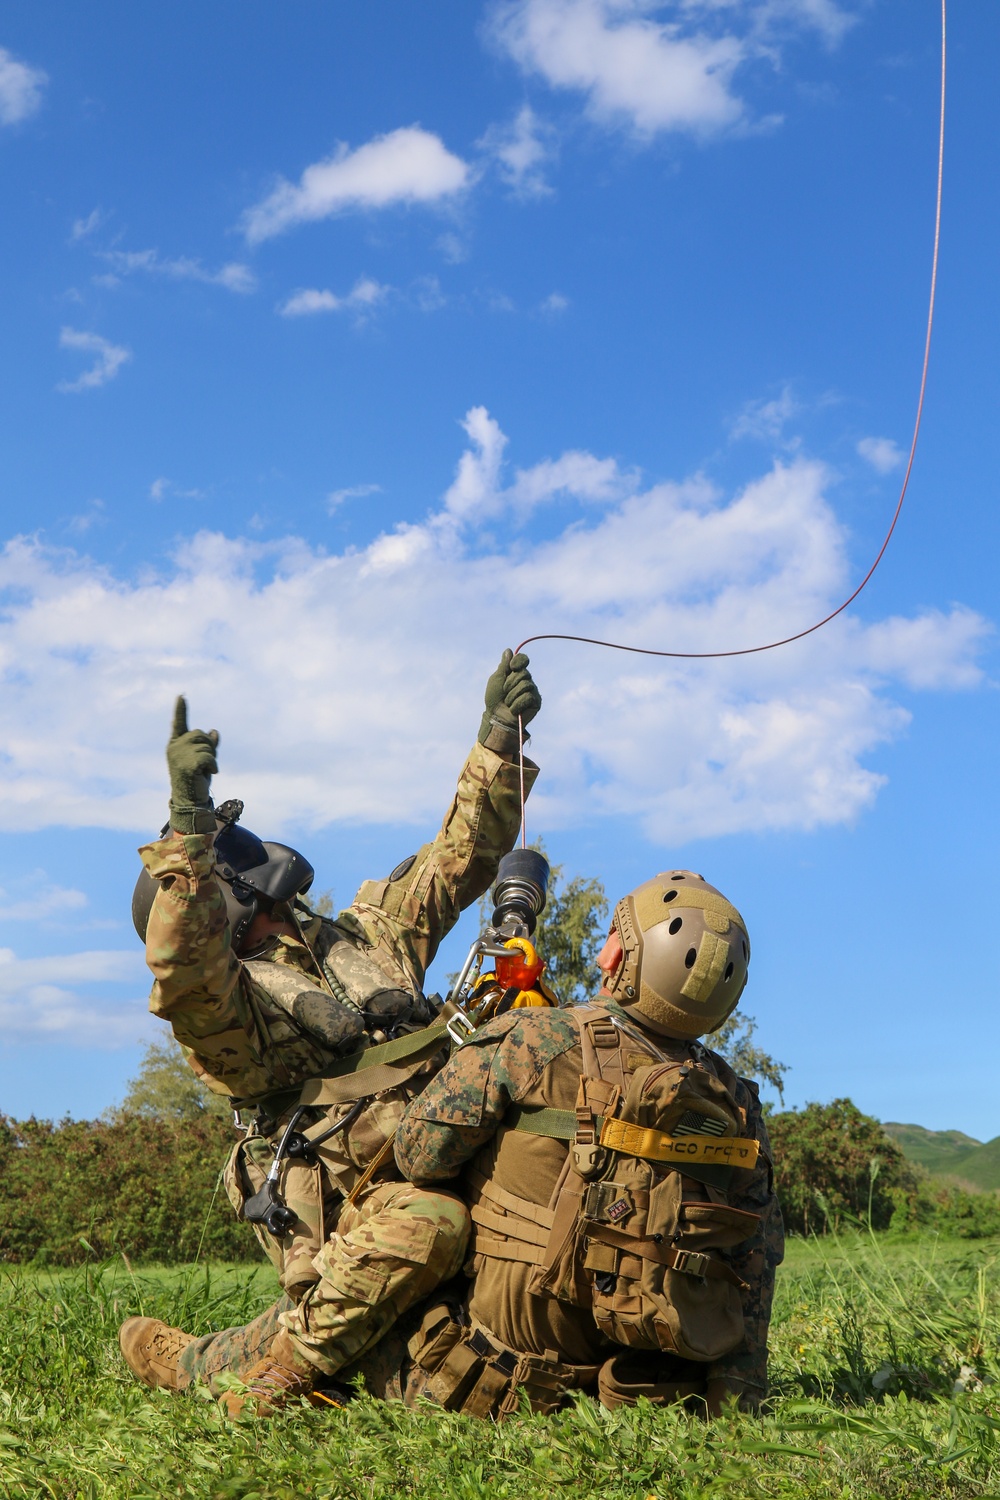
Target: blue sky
point(345, 345)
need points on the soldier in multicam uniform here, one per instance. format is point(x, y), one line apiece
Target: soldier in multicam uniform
point(626, 1231)
point(316, 1031)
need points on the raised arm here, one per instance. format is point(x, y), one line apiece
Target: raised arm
point(238, 1042)
point(405, 917)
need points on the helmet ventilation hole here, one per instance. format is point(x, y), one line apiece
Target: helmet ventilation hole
point(745, 953)
point(690, 957)
point(676, 925)
point(670, 896)
point(679, 876)
point(728, 974)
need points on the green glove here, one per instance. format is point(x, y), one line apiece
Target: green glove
point(510, 693)
point(192, 764)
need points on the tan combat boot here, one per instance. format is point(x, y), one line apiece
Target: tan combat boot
point(151, 1350)
point(281, 1376)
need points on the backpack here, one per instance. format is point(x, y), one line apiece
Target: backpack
point(640, 1215)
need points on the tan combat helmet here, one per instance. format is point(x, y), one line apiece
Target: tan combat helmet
point(685, 953)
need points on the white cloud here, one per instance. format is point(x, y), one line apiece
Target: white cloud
point(350, 643)
point(554, 303)
point(108, 361)
point(42, 900)
point(85, 520)
point(882, 453)
point(831, 20)
point(162, 487)
point(766, 420)
point(234, 276)
point(84, 227)
point(410, 165)
point(336, 498)
point(305, 303)
point(631, 67)
point(522, 150)
point(20, 89)
point(655, 66)
point(39, 999)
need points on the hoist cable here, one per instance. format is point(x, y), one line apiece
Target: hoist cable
point(801, 634)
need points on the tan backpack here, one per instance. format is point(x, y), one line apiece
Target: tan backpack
point(640, 1214)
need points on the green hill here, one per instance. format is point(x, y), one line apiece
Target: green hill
point(949, 1153)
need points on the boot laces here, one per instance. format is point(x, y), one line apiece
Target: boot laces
point(167, 1344)
point(276, 1380)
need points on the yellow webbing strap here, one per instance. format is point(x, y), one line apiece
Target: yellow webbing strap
point(654, 1145)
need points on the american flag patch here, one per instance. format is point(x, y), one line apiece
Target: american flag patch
point(692, 1123)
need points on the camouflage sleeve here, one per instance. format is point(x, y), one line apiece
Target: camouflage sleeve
point(755, 1261)
point(234, 1042)
point(405, 919)
point(463, 1106)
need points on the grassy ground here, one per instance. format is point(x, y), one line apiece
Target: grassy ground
point(880, 1352)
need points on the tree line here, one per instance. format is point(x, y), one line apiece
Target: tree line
point(145, 1178)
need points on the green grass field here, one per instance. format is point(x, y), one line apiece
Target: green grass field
point(884, 1355)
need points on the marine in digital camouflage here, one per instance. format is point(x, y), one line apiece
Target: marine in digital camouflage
point(460, 1127)
point(258, 1030)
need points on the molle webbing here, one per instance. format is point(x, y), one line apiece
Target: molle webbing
point(527, 1225)
point(689, 1262)
point(473, 1372)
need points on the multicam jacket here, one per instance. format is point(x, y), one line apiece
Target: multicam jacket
point(240, 1023)
point(374, 956)
point(464, 1122)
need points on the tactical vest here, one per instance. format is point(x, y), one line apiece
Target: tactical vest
point(633, 1230)
point(363, 1093)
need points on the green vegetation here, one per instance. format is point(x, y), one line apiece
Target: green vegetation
point(882, 1360)
point(165, 1088)
point(951, 1155)
point(837, 1166)
point(136, 1182)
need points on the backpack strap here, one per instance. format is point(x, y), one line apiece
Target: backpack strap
point(360, 1075)
point(690, 1262)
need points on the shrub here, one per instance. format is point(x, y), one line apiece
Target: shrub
point(834, 1164)
point(135, 1183)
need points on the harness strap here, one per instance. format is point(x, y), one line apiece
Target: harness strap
point(558, 1123)
point(635, 1140)
point(656, 1145)
point(689, 1262)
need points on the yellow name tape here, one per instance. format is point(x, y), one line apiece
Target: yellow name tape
point(707, 1150)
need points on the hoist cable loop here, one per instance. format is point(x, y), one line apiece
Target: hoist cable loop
point(801, 634)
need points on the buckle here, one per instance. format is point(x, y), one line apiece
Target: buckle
point(460, 1028)
point(691, 1263)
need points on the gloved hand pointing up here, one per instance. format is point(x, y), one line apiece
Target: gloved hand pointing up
point(192, 764)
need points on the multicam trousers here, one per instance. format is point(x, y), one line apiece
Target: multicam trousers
point(389, 1251)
